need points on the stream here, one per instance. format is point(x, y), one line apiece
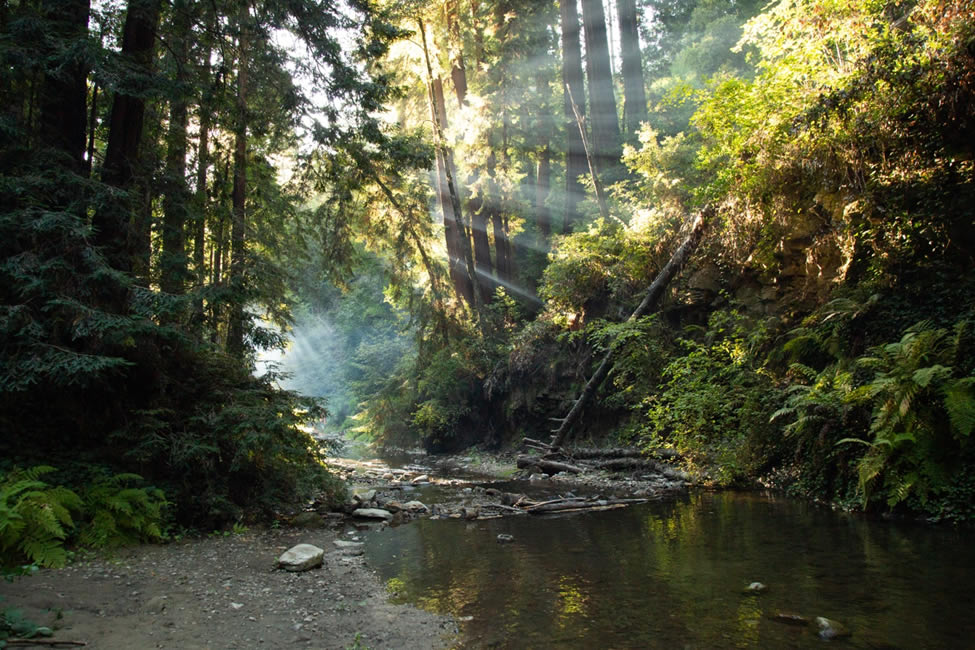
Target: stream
point(672, 574)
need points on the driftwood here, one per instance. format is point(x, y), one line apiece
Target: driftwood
point(44, 642)
point(574, 505)
point(648, 305)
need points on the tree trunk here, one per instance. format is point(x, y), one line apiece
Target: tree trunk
point(606, 141)
point(235, 326)
point(649, 304)
point(455, 232)
point(634, 92)
point(201, 204)
point(126, 125)
point(543, 176)
point(573, 90)
point(64, 91)
point(176, 199)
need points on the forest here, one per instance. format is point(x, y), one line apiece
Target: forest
point(226, 226)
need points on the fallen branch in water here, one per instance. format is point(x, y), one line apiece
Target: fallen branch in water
point(46, 642)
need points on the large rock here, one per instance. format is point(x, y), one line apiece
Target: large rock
point(308, 520)
point(372, 513)
point(365, 496)
point(301, 558)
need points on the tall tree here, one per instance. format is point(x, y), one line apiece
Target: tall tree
point(176, 197)
point(114, 230)
point(606, 140)
point(573, 90)
point(634, 90)
point(238, 228)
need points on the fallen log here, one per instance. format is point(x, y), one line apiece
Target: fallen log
point(573, 505)
point(648, 305)
point(547, 466)
point(618, 464)
point(587, 453)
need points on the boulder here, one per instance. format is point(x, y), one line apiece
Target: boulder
point(372, 513)
point(301, 558)
point(364, 497)
point(308, 520)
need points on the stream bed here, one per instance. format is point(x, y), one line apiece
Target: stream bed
point(673, 573)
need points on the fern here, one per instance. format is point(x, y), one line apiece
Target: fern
point(120, 514)
point(35, 518)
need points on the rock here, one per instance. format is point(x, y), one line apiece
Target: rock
point(422, 478)
point(830, 629)
point(308, 520)
point(341, 543)
point(156, 605)
point(504, 538)
point(756, 588)
point(393, 506)
point(790, 619)
point(301, 558)
point(415, 506)
point(538, 477)
point(388, 476)
point(372, 513)
point(364, 497)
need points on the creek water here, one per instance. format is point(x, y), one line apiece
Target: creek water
point(672, 574)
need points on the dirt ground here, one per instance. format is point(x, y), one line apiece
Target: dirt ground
point(224, 592)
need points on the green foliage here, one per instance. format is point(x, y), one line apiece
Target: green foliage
point(118, 513)
point(13, 623)
point(923, 415)
point(38, 520)
point(714, 399)
point(35, 518)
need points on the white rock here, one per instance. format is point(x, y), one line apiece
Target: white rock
point(422, 478)
point(341, 543)
point(415, 506)
point(301, 558)
point(372, 513)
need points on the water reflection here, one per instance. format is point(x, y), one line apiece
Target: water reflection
point(672, 574)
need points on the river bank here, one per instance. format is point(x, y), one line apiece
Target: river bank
point(224, 592)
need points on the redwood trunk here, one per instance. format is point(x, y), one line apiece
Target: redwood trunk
point(634, 92)
point(606, 141)
point(575, 157)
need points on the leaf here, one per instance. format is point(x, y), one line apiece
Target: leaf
point(960, 404)
point(855, 440)
point(924, 376)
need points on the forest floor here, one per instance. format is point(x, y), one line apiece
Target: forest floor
point(224, 592)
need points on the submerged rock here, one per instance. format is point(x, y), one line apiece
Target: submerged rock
point(790, 619)
point(756, 588)
point(830, 629)
point(301, 558)
point(504, 538)
point(372, 513)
